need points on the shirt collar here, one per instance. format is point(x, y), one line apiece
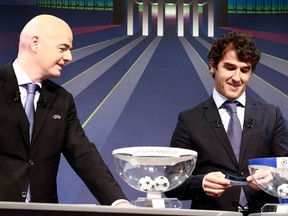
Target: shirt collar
point(22, 77)
point(220, 99)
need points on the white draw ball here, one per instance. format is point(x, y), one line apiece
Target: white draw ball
point(282, 190)
point(146, 183)
point(161, 183)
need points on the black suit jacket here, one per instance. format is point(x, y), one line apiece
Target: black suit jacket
point(200, 129)
point(56, 130)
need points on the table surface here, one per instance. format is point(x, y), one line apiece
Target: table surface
point(30, 208)
point(270, 214)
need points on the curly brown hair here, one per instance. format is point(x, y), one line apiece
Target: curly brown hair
point(243, 44)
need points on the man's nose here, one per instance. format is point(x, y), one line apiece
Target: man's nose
point(68, 56)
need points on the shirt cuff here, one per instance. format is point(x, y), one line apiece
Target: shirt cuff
point(203, 182)
point(116, 202)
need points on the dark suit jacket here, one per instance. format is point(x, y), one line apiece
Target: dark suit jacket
point(200, 129)
point(56, 130)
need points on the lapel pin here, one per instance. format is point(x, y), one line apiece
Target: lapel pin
point(56, 116)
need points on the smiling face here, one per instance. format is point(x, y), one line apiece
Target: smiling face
point(45, 47)
point(233, 58)
point(231, 75)
point(54, 50)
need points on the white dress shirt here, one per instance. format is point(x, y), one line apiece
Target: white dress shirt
point(22, 79)
point(225, 117)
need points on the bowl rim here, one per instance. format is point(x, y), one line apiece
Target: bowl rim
point(154, 151)
point(266, 161)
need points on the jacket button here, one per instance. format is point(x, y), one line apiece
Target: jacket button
point(23, 194)
point(235, 203)
point(31, 162)
point(241, 173)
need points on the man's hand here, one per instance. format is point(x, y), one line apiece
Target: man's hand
point(252, 183)
point(264, 177)
point(214, 184)
point(124, 204)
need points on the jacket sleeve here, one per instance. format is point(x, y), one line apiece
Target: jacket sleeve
point(192, 187)
point(87, 162)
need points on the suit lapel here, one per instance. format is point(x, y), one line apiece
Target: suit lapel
point(250, 112)
point(10, 88)
point(45, 101)
point(212, 115)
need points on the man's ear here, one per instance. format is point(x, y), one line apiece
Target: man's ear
point(34, 44)
point(212, 67)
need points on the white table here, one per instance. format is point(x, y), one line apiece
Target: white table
point(43, 209)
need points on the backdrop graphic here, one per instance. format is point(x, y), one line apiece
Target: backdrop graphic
point(130, 89)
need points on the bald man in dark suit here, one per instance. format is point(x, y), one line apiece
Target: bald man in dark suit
point(28, 169)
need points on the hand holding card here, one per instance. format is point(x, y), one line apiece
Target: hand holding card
point(236, 180)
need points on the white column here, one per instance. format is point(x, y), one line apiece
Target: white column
point(180, 18)
point(146, 18)
point(210, 18)
point(195, 18)
point(130, 17)
point(160, 18)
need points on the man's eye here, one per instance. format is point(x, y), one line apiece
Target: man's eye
point(245, 70)
point(62, 49)
point(230, 68)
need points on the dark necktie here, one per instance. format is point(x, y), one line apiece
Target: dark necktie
point(29, 106)
point(234, 133)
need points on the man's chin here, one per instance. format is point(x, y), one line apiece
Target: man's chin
point(56, 74)
point(233, 95)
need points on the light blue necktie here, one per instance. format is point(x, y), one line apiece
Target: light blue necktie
point(234, 130)
point(30, 111)
point(29, 106)
point(234, 133)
